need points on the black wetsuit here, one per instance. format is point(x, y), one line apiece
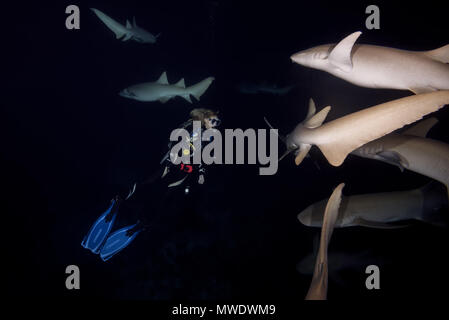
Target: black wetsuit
point(167, 193)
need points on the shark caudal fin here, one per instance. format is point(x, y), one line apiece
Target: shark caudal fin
point(340, 137)
point(197, 90)
point(440, 54)
point(119, 30)
point(312, 121)
point(318, 287)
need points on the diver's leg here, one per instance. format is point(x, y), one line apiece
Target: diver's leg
point(119, 240)
point(101, 228)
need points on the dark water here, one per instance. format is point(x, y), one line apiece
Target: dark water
point(70, 142)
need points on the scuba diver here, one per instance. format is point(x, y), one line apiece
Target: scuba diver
point(152, 194)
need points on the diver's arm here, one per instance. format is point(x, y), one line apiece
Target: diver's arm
point(201, 172)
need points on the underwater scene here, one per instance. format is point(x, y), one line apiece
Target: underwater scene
point(240, 155)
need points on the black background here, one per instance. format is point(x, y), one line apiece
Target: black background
point(70, 142)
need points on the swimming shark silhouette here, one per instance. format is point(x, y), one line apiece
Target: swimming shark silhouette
point(383, 210)
point(380, 67)
point(412, 151)
point(339, 262)
point(131, 31)
point(264, 87)
point(337, 138)
point(162, 91)
point(318, 286)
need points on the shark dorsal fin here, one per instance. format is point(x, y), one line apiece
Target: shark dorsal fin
point(134, 22)
point(128, 24)
point(163, 78)
point(440, 54)
point(317, 119)
point(421, 128)
point(181, 83)
point(340, 56)
point(312, 109)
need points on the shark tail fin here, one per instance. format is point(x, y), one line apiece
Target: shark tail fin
point(318, 287)
point(197, 90)
point(440, 54)
point(435, 204)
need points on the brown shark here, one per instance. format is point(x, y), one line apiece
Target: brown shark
point(318, 287)
point(337, 138)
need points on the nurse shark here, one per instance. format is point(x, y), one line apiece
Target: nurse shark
point(384, 210)
point(337, 138)
point(162, 91)
point(128, 32)
point(411, 150)
point(380, 67)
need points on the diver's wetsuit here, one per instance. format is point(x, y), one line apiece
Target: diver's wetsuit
point(170, 178)
point(148, 200)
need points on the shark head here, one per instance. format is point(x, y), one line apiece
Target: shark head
point(297, 141)
point(128, 93)
point(139, 34)
point(316, 57)
point(329, 57)
point(143, 36)
point(312, 216)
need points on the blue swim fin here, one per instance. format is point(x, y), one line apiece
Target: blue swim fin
point(118, 240)
point(97, 234)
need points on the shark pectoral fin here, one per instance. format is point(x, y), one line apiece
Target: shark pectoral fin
point(335, 153)
point(163, 78)
point(421, 128)
point(187, 97)
point(394, 158)
point(340, 56)
point(422, 90)
point(378, 225)
point(303, 151)
point(127, 37)
point(164, 99)
point(128, 24)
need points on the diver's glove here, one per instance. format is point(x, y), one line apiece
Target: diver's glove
point(201, 176)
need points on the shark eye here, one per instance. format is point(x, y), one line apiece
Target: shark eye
point(130, 93)
point(320, 55)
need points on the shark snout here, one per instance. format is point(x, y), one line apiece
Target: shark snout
point(297, 57)
point(126, 93)
point(305, 217)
